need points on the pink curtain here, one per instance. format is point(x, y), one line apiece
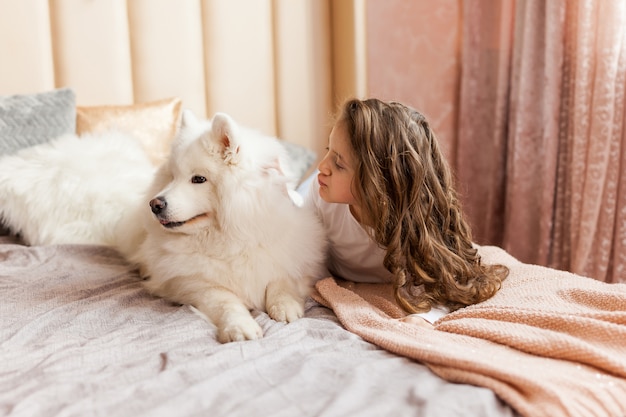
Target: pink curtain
point(541, 157)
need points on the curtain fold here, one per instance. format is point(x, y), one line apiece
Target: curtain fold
point(532, 148)
point(591, 203)
point(544, 143)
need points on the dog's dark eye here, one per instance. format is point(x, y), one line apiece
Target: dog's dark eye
point(198, 179)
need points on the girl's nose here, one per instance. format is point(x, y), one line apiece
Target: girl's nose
point(323, 166)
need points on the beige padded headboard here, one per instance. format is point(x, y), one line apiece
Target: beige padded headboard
point(266, 62)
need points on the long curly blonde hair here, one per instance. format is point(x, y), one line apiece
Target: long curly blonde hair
point(405, 192)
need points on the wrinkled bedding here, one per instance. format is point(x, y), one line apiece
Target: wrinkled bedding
point(550, 343)
point(79, 336)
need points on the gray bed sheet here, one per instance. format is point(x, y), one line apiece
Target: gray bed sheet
point(80, 337)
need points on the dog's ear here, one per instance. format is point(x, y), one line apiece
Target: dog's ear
point(188, 128)
point(188, 119)
point(225, 132)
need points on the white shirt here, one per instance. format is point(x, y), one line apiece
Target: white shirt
point(352, 255)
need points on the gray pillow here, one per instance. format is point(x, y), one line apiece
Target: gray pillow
point(300, 158)
point(32, 119)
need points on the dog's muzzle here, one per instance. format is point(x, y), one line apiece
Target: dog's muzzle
point(158, 204)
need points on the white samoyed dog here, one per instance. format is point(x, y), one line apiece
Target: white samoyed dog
point(221, 233)
point(75, 190)
point(214, 227)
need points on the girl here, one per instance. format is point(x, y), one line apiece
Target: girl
point(385, 195)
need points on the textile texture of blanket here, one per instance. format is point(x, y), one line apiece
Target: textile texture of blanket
point(549, 343)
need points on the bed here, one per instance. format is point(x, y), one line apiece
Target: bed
point(80, 335)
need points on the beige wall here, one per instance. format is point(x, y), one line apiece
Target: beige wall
point(265, 62)
point(281, 66)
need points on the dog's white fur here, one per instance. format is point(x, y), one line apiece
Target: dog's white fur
point(74, 189)
point(229, 240)
point(224, 236)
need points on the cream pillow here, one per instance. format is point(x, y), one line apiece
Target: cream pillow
point(154, 124)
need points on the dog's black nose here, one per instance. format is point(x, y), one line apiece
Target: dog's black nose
point(158, 205)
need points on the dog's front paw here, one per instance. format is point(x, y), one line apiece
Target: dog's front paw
point(239, 329)
point(286, 310)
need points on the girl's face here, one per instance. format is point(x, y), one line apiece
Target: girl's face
point(336, 169)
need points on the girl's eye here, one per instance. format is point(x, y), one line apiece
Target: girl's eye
point(337, 165)
point(198, 179)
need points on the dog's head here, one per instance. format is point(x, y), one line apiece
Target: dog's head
point(216, 175)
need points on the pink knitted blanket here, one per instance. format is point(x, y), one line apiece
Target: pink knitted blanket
point(549, 343)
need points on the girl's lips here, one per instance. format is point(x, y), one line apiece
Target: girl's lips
point(321, 183)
